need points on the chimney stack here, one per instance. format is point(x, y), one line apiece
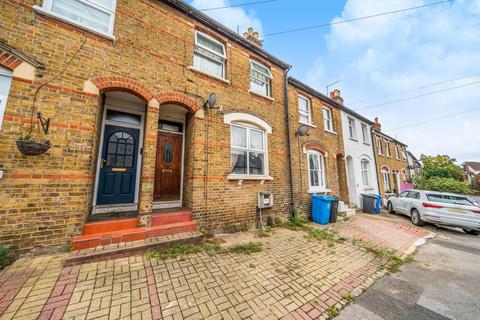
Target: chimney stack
point(252, 36)
point(377, 126)
point(336, 96)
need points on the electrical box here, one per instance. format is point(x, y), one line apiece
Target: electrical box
point(265, 200)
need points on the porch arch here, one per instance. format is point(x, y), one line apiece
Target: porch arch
point(118, 83)
point(178, 98)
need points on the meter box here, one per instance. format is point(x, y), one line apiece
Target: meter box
point(265, 200)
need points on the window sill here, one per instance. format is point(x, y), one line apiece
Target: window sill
point(247, 177)
point(330, 131)
point(368, 188)
point(319, 190)
point(56, 16)
point(307, 124)
point(353, 139)
point(366, 143)
point(192, 68)
point(261, 95)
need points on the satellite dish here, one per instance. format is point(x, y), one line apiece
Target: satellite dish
point(212, 100)
point(303, 130)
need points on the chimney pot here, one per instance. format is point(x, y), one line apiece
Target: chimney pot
point(253, 37)
point(336, 96)
point(377, 126)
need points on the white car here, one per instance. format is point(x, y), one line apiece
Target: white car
point(440, 208)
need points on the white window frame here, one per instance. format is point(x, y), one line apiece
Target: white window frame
point(268, 75)
point(223, 57)
point(404, 157)
point(322, 187)
point(386, 180)
point(387, 148)
point(379, 146)
point(46, 8)
point(397, 155)
point(248, 148)
point(352, 129)
point(365, 135)
point(307, 114)
point(365, 171)
point(3, 98)
point(328, 119)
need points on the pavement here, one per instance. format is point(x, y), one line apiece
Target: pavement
point(293, 277)
point(442, 283)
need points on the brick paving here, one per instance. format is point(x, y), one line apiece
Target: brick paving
point(294, 277)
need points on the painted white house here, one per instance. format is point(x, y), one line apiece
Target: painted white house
point(359, 156)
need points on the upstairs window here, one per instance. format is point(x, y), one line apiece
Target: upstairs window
point(365, 135)
point(247, 150)
point(379, 146)
point(404, 156)
point(316, 171)
point(304, 110)
point(328, 119)
point(387, 148)
point(5, 83)
point(97, 15)
point(260, 79)
point(397, 155)
point(352, 130)
point(209, 55)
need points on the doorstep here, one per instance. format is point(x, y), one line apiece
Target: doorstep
point(125, 249)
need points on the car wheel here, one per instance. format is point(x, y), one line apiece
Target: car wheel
point(415, 216)
point(390, 208)
point(472, 232)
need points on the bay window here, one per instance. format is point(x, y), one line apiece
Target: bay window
point(209, 55)
point(260, 79)
point(97, 15)
point(316, 171)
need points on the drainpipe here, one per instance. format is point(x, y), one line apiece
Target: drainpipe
point(290, 170)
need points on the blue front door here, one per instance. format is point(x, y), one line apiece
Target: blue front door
point(118, 167)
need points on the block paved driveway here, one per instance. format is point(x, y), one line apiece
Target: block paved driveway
point(292, 278)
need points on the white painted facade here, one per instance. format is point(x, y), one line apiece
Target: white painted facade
point(359, 158)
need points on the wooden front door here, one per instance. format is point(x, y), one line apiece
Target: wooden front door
point(168, 167)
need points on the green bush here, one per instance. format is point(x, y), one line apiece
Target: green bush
point(445, 185)
point(476, 183)
point(3, 255)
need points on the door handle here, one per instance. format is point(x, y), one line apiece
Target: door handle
point(102, 163)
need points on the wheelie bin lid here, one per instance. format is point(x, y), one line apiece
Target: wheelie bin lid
point(323, 197)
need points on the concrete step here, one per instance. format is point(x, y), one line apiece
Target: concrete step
point(164, 217)
point(109, 226)
point(125, 249)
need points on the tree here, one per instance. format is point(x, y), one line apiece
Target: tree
point(475, 185)
point(441, 173)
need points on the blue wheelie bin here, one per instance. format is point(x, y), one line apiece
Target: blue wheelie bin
point(378, 203)
point(321, 206)
point(372, 203)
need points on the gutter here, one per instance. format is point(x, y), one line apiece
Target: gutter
point(289, 143)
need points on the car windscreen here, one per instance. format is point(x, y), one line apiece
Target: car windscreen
point(449, 199)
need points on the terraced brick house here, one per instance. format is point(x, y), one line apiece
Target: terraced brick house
point(153, 129)
point(132, 134)
point(318, 155)
point(391, 162)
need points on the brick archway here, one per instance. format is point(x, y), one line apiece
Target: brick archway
point(117, 83)
point(315, 146)
point(178, 98)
